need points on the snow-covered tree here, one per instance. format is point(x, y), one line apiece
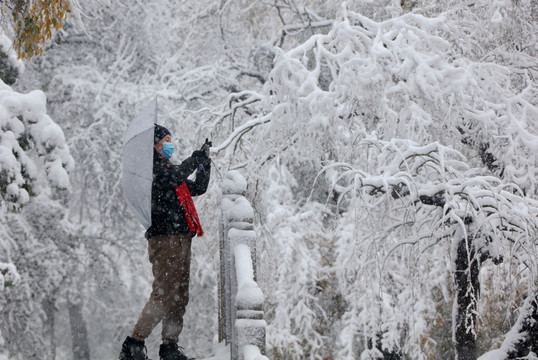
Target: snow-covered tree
point(432, 157)
point(34, 160)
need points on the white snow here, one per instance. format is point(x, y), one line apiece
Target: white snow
point(251, 352)
point(241, 210)
point(234, 183)
point(221, 351)
point(248, 292)
point(9, 275)
point(497, 17)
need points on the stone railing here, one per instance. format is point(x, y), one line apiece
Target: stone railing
point(241, 323)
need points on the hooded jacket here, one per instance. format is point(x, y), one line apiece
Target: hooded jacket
point(167, 216)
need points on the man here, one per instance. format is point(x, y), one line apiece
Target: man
point(173, 224)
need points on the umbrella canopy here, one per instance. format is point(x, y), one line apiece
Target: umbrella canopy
point(137, 164)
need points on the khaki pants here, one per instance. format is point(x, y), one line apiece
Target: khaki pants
point(170, 256)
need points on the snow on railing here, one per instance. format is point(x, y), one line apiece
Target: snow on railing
point(241, 322)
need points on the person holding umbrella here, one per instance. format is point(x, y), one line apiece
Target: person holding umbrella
point(174, 222)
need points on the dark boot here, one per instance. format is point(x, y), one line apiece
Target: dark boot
point(133, 349)
point(172, 352)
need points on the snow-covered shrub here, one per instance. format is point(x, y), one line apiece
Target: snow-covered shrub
point(10, 66)
point(34, 158)
point(33, 150)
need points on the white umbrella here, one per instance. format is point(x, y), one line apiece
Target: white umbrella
point(137, 164)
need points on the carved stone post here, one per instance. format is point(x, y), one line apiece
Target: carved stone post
point(241, 321)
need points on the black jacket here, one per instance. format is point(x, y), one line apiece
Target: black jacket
point(167, 216)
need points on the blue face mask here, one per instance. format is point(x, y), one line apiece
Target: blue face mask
point(168, 150)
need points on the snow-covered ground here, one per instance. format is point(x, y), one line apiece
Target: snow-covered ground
point(222, 352)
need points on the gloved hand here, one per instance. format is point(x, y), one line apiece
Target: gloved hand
point(202, 159)
point(206, 148)
point(199, 155)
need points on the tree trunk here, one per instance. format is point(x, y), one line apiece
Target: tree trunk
point(79, 332)
point(49, 310)
point(465, 307)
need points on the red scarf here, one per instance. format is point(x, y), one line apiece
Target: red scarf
point(185, 198)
